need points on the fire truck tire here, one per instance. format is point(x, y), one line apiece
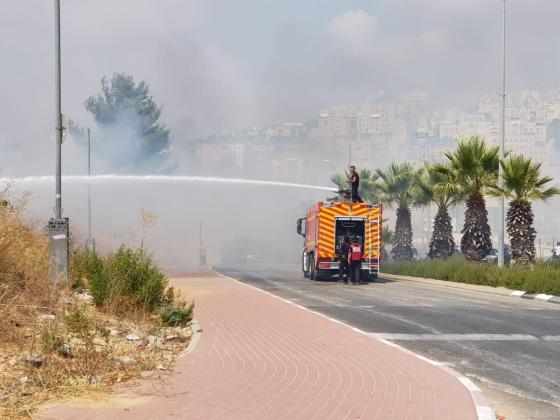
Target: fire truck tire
point(304, 271)
point(372, 277)
point(311, 265)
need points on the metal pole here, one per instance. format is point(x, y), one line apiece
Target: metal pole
point(58, 113)
point(501, 210)
point(58, 227)
point(90, 243)
point(350, 142)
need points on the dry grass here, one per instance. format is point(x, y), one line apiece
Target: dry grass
point(25, 288)
point(79, 350)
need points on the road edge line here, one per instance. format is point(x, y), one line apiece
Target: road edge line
point(483, 409)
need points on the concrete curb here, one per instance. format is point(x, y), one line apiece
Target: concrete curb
point(541, 296)
point(501, 291)
point(195, 337)
point(483, 409)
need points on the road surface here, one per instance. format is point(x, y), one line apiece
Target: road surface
point(510, 347)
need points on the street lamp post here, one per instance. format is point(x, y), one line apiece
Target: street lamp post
point(58, 226)
point(90, 242)
point(352, 119)
point(501, 205)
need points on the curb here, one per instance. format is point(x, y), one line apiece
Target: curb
point(501, 291)
point(195, 338)
point(533, 296)
point(483, 409)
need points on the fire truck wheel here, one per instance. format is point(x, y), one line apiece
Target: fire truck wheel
point(312, 271)
point(305, 272)
point(372, 277)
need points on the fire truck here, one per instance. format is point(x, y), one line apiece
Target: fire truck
point(324, 228)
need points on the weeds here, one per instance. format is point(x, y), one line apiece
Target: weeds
point(174, 316)
point(119, 282)
point(544, 278)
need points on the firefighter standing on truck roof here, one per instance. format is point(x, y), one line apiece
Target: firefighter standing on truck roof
point(343, 268)
point(355, 260)
point(354, 182)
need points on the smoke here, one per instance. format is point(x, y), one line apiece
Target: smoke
point(216, 66)
point(263, 216)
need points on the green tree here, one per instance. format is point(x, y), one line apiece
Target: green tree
point(125, 105)
point(441, 188)
point(522, 184)
point(475, 167)
point(368, 187)
point(400, 186)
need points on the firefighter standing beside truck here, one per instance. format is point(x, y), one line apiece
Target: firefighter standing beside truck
point(355, 260)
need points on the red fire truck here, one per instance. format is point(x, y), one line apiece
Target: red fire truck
point(324, 229)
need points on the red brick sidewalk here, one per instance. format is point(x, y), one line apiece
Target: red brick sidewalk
point(262, 358)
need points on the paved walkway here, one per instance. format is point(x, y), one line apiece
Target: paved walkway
point(262, 358)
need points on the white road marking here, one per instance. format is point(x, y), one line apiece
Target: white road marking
point(551, 338)
point(457, 337)
point(544, 297)
point(469, 384)
point(517, 293)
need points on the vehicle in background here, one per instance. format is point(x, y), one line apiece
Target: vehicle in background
point(493, 256)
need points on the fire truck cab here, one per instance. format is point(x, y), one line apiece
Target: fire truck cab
point(324, 228)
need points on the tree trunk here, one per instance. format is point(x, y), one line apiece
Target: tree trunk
point(476, 243)
point(521, 232)
point(402, 244)
point(442, 244)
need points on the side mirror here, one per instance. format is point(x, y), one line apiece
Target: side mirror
point(300, 227)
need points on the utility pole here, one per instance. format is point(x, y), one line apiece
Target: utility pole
point(350, 123)
point(501, 205)
point(90, 242)
point(58, 226)
point(351, 119)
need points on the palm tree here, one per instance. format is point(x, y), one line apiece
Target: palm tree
point(368, 187)
point(399, 185)
point(475, 167)
point(522, 183)
point(441, 189)
point(386, 239)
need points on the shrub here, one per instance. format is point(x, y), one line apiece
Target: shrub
point(173, 316)
point(121, 280)
point(78, 321)
point(544, 278)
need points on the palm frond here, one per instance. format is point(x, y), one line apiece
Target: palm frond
point(522, 180)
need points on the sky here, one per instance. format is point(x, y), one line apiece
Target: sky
point(217, 65)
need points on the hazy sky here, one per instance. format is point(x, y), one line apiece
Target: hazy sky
point(219, 64)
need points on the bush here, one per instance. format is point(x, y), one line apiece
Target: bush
point(119, 281)
point(544, 278)
point(173, 316)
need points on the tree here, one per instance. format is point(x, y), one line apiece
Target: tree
point(368, 187)
point(475, 167)
point(522, 184)
point(128, 115)
point(399, 185)
point(387, 236)
point(441, 188)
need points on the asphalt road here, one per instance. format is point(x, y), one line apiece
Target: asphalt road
point(510, 347)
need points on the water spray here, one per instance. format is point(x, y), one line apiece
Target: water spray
point(107, 178)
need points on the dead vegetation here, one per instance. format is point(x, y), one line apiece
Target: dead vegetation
point(55, 342)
